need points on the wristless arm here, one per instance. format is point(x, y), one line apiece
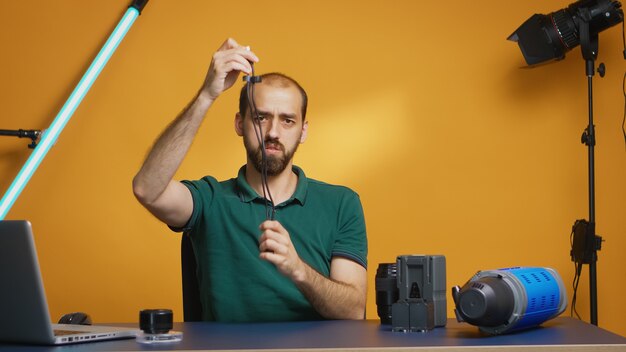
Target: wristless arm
point(334, 298)
point(154, 187)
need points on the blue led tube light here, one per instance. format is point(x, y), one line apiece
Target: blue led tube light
point(49, 137)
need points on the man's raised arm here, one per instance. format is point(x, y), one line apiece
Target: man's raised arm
point(170, 201)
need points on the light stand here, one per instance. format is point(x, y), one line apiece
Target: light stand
point(586, 243)
point(548, 37)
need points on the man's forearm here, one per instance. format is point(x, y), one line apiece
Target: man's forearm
point(169, 150)
point(332, 299)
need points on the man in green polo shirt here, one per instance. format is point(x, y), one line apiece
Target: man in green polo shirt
point(309, 261)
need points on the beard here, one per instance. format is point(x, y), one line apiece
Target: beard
point(275, 163)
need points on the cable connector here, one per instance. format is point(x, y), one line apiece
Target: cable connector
point(252, 79)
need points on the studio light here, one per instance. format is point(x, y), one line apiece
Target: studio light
point(548, 37)
point(50, 136)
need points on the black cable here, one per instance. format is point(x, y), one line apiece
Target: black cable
point(624, 85)
point(270, 209)
point(624, 119)
point(623, 40)
point(578, 269)
point(578, 265)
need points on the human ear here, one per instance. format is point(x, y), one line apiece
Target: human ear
point(239, 124)
point(305, 129)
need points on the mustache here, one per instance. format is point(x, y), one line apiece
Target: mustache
point(273, 142)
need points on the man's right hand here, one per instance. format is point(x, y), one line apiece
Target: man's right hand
point(229, 60)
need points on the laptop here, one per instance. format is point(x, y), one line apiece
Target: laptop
point(24, 315)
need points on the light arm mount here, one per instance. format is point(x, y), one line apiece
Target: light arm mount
point(32, 134)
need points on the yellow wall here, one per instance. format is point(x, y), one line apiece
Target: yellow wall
point(420, 106)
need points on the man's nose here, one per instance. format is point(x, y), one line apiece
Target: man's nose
point(272, 128)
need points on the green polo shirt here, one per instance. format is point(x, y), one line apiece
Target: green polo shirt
point(323, 221)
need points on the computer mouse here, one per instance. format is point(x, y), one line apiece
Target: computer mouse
point(76, 318)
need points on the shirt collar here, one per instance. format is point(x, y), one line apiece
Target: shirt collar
point(248, 194)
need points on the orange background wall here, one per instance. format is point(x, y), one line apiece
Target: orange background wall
point(420, 106)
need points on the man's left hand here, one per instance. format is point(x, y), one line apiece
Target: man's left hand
point(276, 247)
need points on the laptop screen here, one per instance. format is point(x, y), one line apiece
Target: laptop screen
point(25, 315)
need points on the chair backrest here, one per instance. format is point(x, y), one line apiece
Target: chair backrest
point(192, 307)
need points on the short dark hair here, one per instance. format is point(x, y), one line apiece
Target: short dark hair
point(280, 79)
